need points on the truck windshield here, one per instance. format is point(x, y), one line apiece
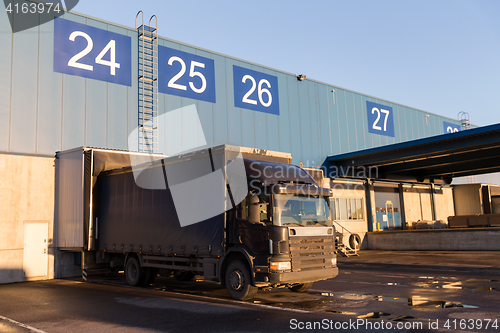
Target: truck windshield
point(301, 210)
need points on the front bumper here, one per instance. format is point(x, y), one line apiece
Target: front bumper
point(304, 276)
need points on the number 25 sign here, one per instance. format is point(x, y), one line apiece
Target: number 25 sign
point(90, 52)
point(185, 74)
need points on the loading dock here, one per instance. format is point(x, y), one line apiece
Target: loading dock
point(408, 184)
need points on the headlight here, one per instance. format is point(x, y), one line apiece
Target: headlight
point(334, 261)
point(280, 266)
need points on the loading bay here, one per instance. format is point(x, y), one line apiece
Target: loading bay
point(377, 291)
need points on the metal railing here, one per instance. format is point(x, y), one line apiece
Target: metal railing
point(342, 243)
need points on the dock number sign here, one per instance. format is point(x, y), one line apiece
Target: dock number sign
point(185, 74)
point(380, 119)
point(255, 90)
point(90, 52)
point(451, 128)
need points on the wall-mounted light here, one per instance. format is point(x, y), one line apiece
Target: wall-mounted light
point(301, 77)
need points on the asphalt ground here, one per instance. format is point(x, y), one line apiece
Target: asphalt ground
point(434, 259)
point(378, 286)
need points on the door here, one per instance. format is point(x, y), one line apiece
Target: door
point(387, 207)
point(36, 256)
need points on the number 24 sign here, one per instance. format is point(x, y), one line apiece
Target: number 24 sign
point(82, 50)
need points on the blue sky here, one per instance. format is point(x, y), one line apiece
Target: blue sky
point(439, 56)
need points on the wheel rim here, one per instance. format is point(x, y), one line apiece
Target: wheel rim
point(236, 280)
point(132, 270)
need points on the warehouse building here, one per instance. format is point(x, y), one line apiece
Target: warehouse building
point(80, 81)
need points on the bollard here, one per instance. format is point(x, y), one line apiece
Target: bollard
point(84, 275)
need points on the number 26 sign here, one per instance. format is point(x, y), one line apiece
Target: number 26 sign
point(380, 119)
point(255, 90)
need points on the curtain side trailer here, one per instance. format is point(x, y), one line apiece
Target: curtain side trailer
point(244, 217)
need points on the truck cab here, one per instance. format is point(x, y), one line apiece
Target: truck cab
point(283, 229)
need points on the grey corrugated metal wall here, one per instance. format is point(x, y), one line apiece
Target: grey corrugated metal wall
point(43, 111)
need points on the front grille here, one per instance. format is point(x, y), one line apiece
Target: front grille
point(312, 252)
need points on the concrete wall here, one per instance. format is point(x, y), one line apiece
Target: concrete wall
point(436, 240)
point(26, 195)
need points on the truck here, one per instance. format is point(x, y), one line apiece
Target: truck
point(244, 217)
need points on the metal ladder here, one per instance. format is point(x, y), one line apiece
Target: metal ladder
point(343, 249)
point(464, 118)
point(148, 84)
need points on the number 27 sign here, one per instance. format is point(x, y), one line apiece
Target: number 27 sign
point(380, 119)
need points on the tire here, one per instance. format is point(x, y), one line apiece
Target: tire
point(239, 281)
point(355, 241)
point(301, 288)
point(134, 273)
point(185, 276)
point(150, 276)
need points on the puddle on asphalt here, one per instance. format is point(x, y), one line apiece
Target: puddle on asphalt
point(333, 299)
point(351, 297)
point(487, 289)
point(342, 312)
point(482, 280)
point(404, 318)
point(455, 285)
point(391, 299)
point(373, 315)
point(418, 301)
point(305, 305)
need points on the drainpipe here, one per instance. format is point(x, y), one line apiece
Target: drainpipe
point(402, 207)
point(371, 216)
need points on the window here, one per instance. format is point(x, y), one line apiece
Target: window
point(301, 210)
point(243, 209)
point(347, 209)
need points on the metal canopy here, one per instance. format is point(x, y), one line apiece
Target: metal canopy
point(442, 157)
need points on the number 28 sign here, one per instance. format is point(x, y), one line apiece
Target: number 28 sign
point(380, 119)
point(90, 52)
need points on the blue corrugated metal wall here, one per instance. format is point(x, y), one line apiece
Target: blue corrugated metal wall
point(43, 111)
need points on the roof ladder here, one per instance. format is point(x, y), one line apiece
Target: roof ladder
point(148, 84)
point(464, 118)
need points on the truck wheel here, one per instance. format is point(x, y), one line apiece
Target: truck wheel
point(239, 281)
point(134, 273)
point(150, 276)
point(301, 288)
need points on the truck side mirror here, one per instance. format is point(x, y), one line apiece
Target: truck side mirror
point(253, 209)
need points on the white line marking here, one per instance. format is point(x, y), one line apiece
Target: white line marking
point(32, 329)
